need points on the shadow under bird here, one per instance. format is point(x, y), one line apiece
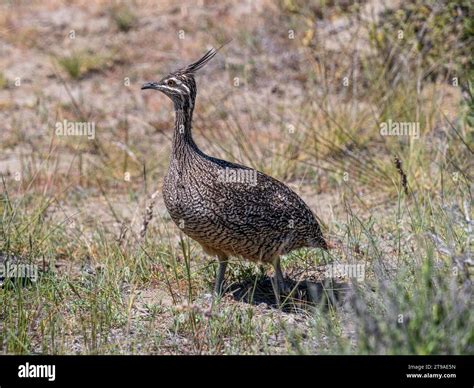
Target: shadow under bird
point(230, 209)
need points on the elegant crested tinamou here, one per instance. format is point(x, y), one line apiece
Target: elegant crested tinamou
point(230, 209)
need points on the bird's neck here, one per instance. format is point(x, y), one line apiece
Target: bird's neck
point(183, 144)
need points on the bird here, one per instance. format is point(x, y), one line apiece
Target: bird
point(230, 209)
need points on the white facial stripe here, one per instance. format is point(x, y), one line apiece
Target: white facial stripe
point(172, 90)
point(177, 81)
point(175, 89)
point(167, 88)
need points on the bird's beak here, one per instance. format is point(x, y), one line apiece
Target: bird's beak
point(151, 85)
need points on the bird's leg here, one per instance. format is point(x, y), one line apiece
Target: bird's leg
point(279, 276)
point(276, 290)
point(220, 275)
point(278, 281)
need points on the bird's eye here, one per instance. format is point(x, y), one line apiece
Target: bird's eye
point(170, 82)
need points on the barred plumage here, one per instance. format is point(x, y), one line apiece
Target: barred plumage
point(230, 209)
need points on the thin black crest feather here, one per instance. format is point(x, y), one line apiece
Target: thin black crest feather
point(201, 62)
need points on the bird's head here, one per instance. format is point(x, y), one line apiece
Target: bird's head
point(180, 85)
